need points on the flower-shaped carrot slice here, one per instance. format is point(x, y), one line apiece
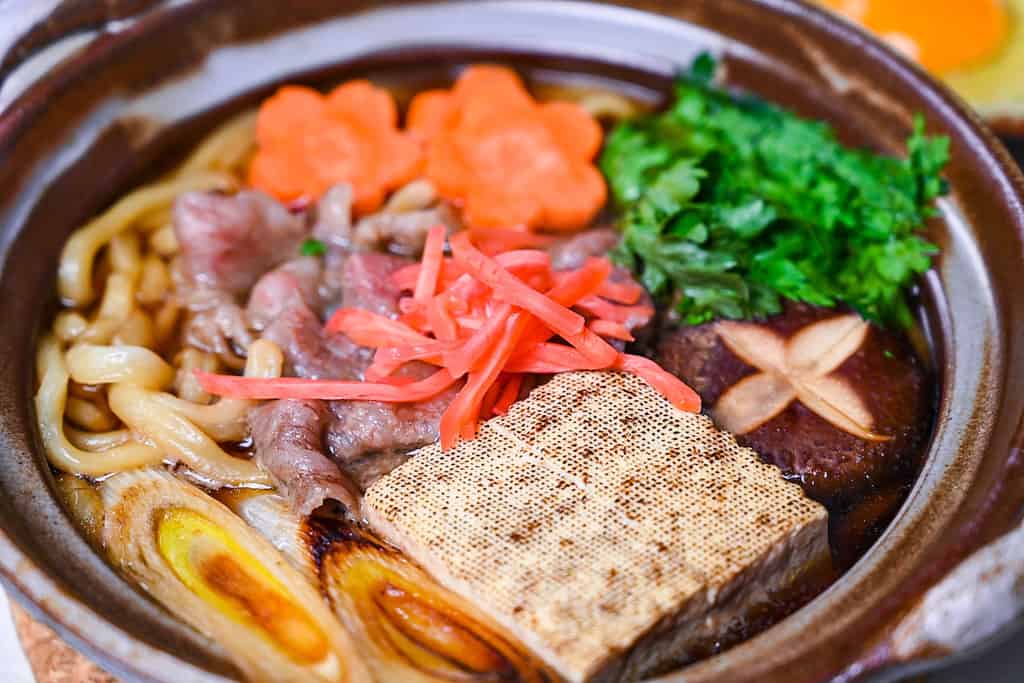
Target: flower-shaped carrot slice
point(308, 142)
point(510, 160)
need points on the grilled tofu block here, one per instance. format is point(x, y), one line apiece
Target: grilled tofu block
point(613, 534)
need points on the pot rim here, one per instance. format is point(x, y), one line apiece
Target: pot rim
point(123, 653)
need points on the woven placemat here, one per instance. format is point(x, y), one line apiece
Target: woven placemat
point(52, 660)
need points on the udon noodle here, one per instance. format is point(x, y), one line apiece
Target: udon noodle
point(116, 332)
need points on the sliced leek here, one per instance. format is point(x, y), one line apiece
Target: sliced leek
point(272, 516)
point(411, 629)
point(209, 568)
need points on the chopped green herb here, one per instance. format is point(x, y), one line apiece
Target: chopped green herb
point(731, 204)
point(888, 354)
point(312, 247)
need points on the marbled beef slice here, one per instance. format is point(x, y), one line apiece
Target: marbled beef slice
point(288, 439)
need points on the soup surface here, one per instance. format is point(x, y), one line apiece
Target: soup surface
point(337, 279)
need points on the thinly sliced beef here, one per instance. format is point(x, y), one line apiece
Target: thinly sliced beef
point(369, 439)
point(394, 229)
point(366, 438)
point(228, 242)
point(282, 304)
point(362, 427)
point(366, 282)
point(214, 322)
point(571, 252)
point(288, 437)
point(367, 469)
point(294, 283)
point(403, 232)
point(309, 352)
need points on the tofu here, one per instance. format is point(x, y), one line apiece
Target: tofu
point(611, 533)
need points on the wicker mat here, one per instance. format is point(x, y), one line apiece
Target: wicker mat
point(52, 660)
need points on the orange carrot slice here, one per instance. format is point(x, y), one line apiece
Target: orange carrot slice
point(507, 159)
point(431, 110)
point(308, 142)
point(579, 135)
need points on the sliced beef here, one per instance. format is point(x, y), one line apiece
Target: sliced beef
point(365, 282)
point(282, 304)
point(228, 242)
point(397, 229)
point(403, 232)
point(213, 322)
point(295, 282)
point(571, 252)
point(310, 352)
point(368, 468)
point(291, 302)
point(334, 217)
point(369, 439)
point(832, 464)
point(287, 435)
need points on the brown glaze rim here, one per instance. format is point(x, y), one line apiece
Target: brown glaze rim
point(969, 500)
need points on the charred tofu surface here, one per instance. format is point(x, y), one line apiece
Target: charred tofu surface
point(612, 533)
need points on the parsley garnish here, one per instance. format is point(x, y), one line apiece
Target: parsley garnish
point(312, 247)
point(731, 204)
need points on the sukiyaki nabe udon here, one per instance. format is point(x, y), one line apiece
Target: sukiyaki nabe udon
point(518, 382)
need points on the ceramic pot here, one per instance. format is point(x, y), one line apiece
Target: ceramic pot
point(120, 105)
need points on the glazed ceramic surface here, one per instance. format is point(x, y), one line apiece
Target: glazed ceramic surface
point(127, 103)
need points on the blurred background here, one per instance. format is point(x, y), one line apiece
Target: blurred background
point(974, 46)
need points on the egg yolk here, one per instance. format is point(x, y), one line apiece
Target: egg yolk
point(943, 35)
